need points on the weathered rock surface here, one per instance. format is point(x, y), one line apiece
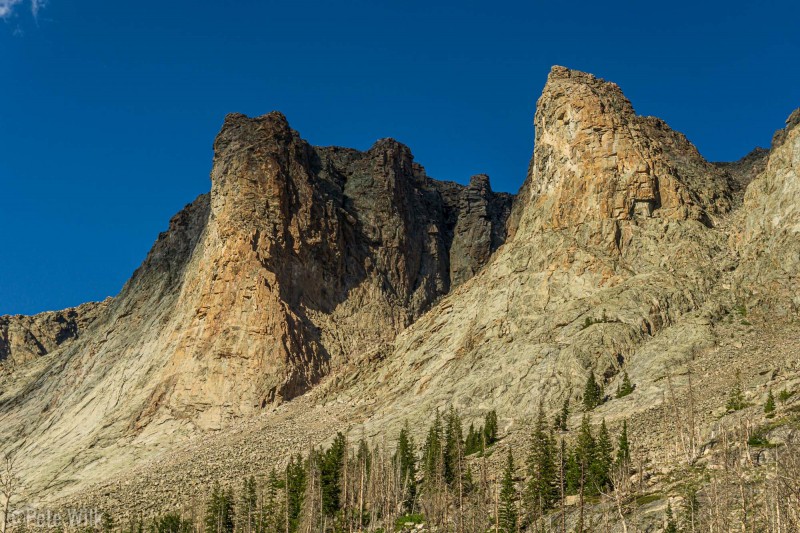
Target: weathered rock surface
point(400, 294)
point(480, 225)
point(770, 240)
point(301, 260)
point(23, 338)
point(747, 168)
point(613, 258)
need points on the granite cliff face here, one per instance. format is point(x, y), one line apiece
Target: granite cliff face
point(770, 241)
point(23, 338)
point(300, 260)
point(618, 255)
point(388, 294)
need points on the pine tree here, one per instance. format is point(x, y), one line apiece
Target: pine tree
point(469, 442)
point(219, 513)
point(736, 397)
point(579, 467)
point(600, 469)
point(453, 446)
point(507, 513)
point(541, 490)
point(247, 505)
point(691, 507)
point(331, 466)
point(490, 428)
point(171, 523)
point(564, 416)
point(623, 446)
point(270, 511)
point(295, 491)
point(573, 472)
point(592, 393)
point(432, 449)
point(407, 464)
point(769, 407)
point(671, 526)
point(625, 388)
point(469, 482)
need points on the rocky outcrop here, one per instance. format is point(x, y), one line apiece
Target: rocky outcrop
point(23, 338)
point(306, 262)
point(769, 242)
point(301, 260)
point(612, 255)
point(479, 225)
point(746, 169)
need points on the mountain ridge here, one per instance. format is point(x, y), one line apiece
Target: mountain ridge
point(358, 288)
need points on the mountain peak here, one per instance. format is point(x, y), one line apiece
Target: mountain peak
point(595, 159)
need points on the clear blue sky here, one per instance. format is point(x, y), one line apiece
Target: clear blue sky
point(108, 109)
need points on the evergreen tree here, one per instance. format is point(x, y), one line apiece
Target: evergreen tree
point(219, 513)
point(769, 407)
point(364, 457)
point(541, 491)
point(490, 428)
point(507, 512)
point(268, 517)
point(736, 396)
point(563, 416)
point(295, 490)
point(623, 446)
point(469, 482)
point(580, 465)
point(671, 526)
point(600, 469)
point(691, 507)
point(432, 449)
point(474, 440)
point(625, 388)
point(247, 505)
point(172, 523)
point(453, 447)
point(572, 472)
point(592, 393)
point(331, 465)
point(407, 465)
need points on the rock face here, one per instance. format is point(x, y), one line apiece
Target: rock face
point(624, 248)
point(747, 168)
point(301, 260)
point(770, 240)
point(480, 225)
point(23, 338)
point(613, 256)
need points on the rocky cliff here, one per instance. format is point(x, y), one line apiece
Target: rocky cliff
point(23, 338)
point(614, 253)
point(300, 260)
point(769, 242)
point(388, 294)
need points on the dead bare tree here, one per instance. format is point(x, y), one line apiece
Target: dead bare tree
point(10, 486)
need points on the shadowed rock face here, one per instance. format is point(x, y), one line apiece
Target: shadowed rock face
point(299, 261)
point(745, 170)
point(478, 224)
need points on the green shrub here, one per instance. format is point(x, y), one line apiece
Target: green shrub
point(769, 406)
point(758, 439)
point(415, 518)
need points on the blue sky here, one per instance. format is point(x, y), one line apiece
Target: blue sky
point(108, 110)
